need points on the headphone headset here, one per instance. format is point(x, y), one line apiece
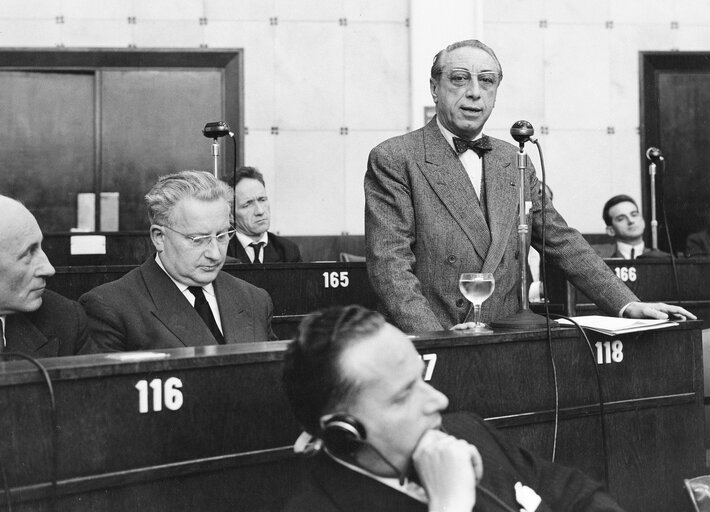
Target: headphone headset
point(342, 434)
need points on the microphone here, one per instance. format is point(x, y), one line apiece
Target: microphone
point(654, 154)
point(522, 132)
point(216, 130)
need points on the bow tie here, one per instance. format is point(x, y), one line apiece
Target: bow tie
point(480, 146)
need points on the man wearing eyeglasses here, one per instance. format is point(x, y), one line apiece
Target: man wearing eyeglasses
point(180, 297)
point(443, 200)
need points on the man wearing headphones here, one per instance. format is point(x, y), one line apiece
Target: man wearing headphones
point(355, 384)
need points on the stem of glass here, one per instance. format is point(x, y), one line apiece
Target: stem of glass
point(477, 314)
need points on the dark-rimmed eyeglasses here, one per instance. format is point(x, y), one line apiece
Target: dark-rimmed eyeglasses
point(462, 78)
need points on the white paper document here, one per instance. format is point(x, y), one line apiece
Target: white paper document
point(612, 325)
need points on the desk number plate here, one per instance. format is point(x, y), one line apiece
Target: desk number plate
point(625, 274)
point(609, 352)
point(336, 279)
point(166, 394)
point(430, 362)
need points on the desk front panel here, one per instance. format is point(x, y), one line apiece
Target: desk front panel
point(214, 418)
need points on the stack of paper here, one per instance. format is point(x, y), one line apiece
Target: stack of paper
point(612, 326)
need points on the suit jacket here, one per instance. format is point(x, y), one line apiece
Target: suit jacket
point(145, 310)
point(698, 244)
point(332, 487)
point(57, 328)
point(425, 225)
point(612, 251)
point(279, 249)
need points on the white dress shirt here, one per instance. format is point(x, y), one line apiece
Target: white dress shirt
point(208, 290)
point(470, 160)
point(246, 241)
point(625, 249)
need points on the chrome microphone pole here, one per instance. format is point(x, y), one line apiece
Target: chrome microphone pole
point(214, 131)
point(522, 131)
point(654, 220)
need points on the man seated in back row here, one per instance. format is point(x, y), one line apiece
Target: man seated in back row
point(355, 382)
point(180, 297)
point(252, 219)
point(625, 224)
point(35, 321)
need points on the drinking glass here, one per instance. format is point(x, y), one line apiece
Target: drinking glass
point(477, 288)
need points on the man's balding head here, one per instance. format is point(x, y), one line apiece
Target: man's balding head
point(23, 265)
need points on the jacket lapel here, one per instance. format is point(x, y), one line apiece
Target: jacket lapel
point(447, 176)
point(231, 309)
point(22, 336)
point(172, 308)
point(502, 181)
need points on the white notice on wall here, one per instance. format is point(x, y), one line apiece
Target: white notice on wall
point(87, 244)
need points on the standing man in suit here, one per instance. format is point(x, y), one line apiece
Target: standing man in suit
point(252, 218)
point(443, 200)
point(35, 321)
point(355, 384)
point(625, 224)
point(180, 297)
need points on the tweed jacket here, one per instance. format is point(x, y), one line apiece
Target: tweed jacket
point(425, 225)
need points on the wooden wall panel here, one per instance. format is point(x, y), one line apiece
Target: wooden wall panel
point(47, 142)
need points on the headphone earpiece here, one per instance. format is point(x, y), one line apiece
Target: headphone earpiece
point(342, 433)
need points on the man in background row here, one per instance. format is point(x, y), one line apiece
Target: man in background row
point(252, 219)
point(625, 224)
point(35, 321)
point(180, 297)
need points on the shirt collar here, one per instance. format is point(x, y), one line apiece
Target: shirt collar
point(411, 489)
point(625, 249)
point(245, 240)
point(450, 136)
point(208, 288)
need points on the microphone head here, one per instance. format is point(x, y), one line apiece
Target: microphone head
point(521, 131)
point(654, 154)
point(216, 130)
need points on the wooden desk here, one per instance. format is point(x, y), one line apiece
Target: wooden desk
point(216, 431)
point(296, 289)
point(652, 280)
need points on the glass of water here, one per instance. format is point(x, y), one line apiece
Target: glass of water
point(477, 288)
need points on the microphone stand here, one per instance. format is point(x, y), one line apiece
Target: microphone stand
point(654, 222)
point(654, 252)
point(524, 318)
point(215, 154)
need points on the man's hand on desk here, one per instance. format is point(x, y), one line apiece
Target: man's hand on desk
point(657, 310)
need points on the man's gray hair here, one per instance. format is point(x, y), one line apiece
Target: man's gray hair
point(436, 69)
point(172, 188)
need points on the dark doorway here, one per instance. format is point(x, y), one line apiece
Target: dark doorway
point(675, 117)
point(110, 121)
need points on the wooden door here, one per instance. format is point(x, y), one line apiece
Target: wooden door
point(675, 118)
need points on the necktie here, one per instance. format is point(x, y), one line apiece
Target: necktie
point(480, 146)
point(257, 251)
point(203, 309)
point(633, 253)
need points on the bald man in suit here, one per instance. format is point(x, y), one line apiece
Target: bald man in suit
point(437, 207)
point(35, 321)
